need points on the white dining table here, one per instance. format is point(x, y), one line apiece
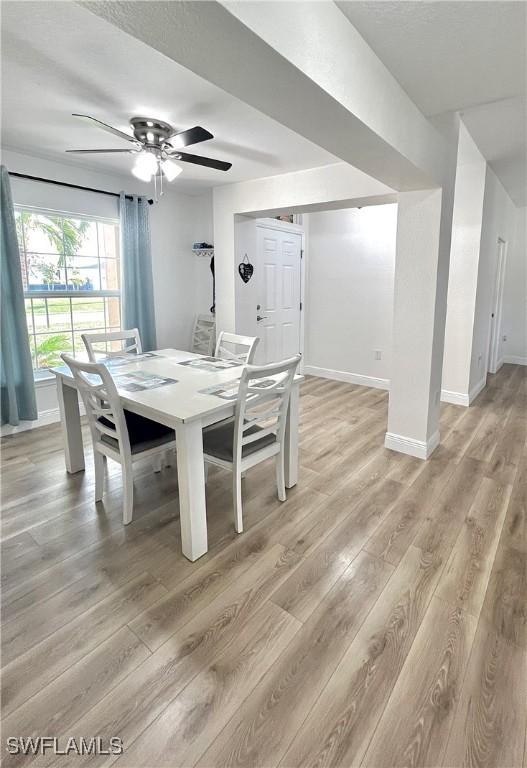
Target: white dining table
point(183, 406)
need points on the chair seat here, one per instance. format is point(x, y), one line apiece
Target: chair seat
point(218, 441)
point(144, 433)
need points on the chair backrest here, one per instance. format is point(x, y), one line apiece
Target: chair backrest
point(101, 400)
point(203, 335)
point(231, 346)
point(132, 336)
point(263, 402)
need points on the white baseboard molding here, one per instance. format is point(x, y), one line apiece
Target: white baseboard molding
point(515, 360)
point(456, 398)
point(351, 378)
point(417, 448)
point(463, 398)
point(45, 418)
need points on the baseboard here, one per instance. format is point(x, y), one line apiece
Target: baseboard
point(463, 398)
point(417, 448)
point(515, 360)
point(351, 378)
point(45, 418)
point(456, 398)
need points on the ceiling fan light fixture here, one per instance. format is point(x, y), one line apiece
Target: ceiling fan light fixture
point(170, 169)
point(145, 166)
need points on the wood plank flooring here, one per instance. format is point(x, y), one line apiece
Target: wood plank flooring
point(376, 618)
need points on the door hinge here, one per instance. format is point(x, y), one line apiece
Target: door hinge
point(301, 253)
point(301, 306)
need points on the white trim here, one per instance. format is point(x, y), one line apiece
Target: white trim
point(494, 334)
point(411, 447)
point(45, 418)
point(514, 360)
point(463, 398)
point(282, 226)
point(351, 378)
point(49, 416)
point(456, 398)
point(74, 214)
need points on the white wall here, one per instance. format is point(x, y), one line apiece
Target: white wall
point(331, 186)
point(499, 221)
point(464, 265)
point(182, 281)
point(514, 323)
point(350, 267)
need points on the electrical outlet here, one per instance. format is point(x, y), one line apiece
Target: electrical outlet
point(377, 354)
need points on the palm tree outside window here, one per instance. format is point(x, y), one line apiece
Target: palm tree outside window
point(71, 276)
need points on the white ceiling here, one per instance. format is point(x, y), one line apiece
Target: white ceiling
point(58, 58)
point(465, 55)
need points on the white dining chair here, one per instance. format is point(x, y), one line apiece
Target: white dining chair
point(257, 431)
point(116, 433)
point(203, 335)
point(132, 335)
point(231, 346)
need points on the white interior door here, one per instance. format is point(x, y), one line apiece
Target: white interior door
point(279, 275)
point(496, 310)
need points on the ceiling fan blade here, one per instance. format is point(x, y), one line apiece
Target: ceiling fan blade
point(108, 128)
point(208, 162)
point(190, 136)
point(100, 151)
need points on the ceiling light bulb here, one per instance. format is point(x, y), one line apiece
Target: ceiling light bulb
point(149, 136)
point(145, 166)
point(170, 169)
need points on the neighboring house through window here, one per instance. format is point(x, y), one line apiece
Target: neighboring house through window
point(71, 276)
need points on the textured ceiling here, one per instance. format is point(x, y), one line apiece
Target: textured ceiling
point(466, 56)
point(58, 58)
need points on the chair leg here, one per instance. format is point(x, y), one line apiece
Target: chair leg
point(158, 462)
point(128, 493)
point(237, 501)
point(98, 463)
point(280, 476)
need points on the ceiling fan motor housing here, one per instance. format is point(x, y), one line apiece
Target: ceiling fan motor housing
point(152, 133)
point(157, 139)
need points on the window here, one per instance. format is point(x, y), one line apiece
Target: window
point(71, 277)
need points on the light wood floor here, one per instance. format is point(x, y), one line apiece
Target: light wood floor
point(376, 618)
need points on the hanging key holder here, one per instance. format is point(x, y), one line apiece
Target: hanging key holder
point(246, 269)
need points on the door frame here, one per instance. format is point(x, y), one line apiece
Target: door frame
point(297, 229)
point(494, 334)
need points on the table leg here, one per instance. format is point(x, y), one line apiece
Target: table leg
point(191, 482)
point(291, 438)
point(70, 420)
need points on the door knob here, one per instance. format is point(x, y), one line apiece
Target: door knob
point(261, 317)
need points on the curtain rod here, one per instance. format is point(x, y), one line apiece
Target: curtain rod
point(71, 186)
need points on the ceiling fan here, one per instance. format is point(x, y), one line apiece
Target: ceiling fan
point(156, 145)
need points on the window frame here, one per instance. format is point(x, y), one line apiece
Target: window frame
point(42, 373)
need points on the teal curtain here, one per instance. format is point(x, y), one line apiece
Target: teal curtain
point(137, 283)
point(18, 400)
